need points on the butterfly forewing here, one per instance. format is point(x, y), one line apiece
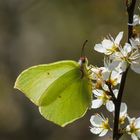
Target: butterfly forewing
point(56, 89)
point(34, 81)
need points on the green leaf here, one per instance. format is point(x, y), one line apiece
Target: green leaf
point(62, 90)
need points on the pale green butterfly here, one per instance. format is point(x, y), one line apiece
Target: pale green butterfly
point(62, 90)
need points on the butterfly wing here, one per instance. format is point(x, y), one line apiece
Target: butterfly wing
point(60, 89)
point(73, 100)
point(34, 81)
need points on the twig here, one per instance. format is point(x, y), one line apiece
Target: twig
point(130, 10)
point(111, 93)
point(116, 134)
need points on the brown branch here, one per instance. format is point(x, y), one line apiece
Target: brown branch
point(116, 133)
point(130, 10)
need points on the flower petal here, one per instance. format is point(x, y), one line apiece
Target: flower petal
point(122, 66)
point(104, 132)
point(127, 128)
point(96, 130)
point(115, 91)
point(137, 122)
point(138, 133)
point(97, 103)
point(123, 109)
point(135, 67)
point(97, 92)
point(131, 120)
point(99, 48)
point(96, 120)
point(108, 44)
point(116, 76)
point(134, 137)
point(113, 65)
point(110, 106)
point(127, 48)
point(106, 75)
point(118, 38)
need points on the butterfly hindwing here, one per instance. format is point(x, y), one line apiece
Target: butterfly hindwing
point(70, 105)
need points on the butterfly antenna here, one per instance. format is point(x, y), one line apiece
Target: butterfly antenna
point(83, 48)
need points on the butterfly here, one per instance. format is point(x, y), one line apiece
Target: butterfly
point(62, 90)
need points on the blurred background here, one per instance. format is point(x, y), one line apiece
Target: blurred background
point(43, 31)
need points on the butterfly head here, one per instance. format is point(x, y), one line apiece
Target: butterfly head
point(83, 61)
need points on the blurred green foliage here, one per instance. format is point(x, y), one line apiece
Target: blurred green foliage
point(42, 31)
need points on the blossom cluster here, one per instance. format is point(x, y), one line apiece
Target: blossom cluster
point(118, 59)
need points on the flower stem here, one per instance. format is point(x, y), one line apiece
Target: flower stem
point(130, 4)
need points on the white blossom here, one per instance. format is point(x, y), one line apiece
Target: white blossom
point(111, 74)
point(109, 46)
point(97, 72)
point(133, 128)
point(112, 77)
point(100, 125)
point(109, 64)
point(103, 98)
point(98, 76)
point(128, 55)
